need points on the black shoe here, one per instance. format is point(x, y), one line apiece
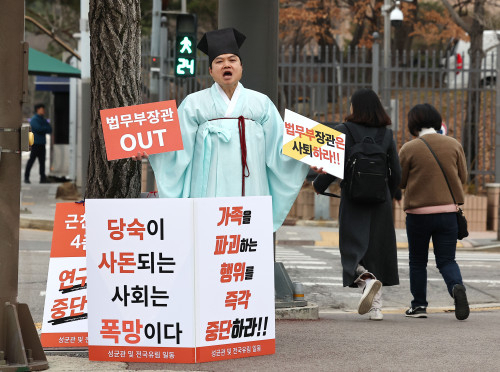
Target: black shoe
point(461, 305)
point(44, 180)
point(26, 180)
point(417, 312)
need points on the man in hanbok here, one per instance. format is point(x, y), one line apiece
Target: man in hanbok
point(232, 138)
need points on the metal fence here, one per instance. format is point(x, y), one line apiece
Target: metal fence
point(318, 83)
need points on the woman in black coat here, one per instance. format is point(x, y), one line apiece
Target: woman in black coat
point(366, 230)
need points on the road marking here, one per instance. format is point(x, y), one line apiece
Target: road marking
point(302, 267)
point(326, 284)
point(328, 238)
point(474, 265)
point(307, 262)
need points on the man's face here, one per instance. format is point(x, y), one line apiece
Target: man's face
point(41, 111)
point(226, 70)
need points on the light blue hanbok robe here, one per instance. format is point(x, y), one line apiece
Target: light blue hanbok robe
point(210, 163)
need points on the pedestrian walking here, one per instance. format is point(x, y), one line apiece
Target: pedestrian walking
point(367, 239)
point(433, 171)
point(232, 138)
point(40, 127)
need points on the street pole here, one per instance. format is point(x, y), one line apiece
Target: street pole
point(155, 49)
point(387, 49)
point(258, 20)
point(84, 109)
point(20, 346)
point(163, 58)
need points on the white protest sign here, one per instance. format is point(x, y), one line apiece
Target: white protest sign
point(140, 280)
point(235, 271)
point(146, 260)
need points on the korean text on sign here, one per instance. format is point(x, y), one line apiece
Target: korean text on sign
point(314, 143)
point(65, 313)
point(151, 127)
point(235, 249)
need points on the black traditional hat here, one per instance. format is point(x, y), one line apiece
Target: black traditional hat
point(225, 41)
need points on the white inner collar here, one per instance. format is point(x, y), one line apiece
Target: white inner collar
point(231, 103)
point(425, 131)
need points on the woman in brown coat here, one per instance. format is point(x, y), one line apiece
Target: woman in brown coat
point(430, 208)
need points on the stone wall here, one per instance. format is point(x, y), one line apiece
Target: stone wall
point(493, 195)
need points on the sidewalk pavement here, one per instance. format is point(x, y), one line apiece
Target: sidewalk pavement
point(38, 205)
point(338, 340)
point(344, 341)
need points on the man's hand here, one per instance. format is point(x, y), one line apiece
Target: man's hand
point(140, 156)
point(318, 170)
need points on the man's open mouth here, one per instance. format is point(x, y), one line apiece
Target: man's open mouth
point(228, 73)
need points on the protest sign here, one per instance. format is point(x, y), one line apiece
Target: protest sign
point(235, 278)
point(65, 313)
point(314, 143)
point(150, 127)
point(141, 280)
point(180, 280)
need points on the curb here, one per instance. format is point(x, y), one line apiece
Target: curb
point(462, 245)
point(295, 242)
point(430, 310)
point(308, 312)
point(36, 224)
point(317, 223)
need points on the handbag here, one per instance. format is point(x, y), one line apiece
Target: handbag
point(461, 220)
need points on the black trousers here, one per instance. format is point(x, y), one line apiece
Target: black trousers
point(37, 152)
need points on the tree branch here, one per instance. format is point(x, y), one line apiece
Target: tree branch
point(456, 18)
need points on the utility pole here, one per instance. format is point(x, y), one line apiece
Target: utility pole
point(155, 50)
point(20, 346)
point(83, 126)
point(386, 8)
point(258, 21)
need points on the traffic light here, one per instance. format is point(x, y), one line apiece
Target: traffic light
point(185, 45)
point(155, 64)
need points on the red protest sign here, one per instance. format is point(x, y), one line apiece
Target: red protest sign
point(151, 127)
point(68, 238)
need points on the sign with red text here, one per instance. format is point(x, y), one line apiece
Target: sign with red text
point(65, 313)
point(235, 278)
point(180, 280)
point(314, 143)
point(150, 127)
point(141, 280)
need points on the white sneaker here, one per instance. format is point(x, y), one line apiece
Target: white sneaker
point(371, 289)
point(376, 314)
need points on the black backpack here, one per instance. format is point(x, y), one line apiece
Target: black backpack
point(367, 168)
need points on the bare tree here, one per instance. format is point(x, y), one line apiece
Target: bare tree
point(115, 52)
point(474, 26)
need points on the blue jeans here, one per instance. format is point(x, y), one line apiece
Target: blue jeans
point(443, 228)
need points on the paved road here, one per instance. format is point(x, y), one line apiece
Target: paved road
point(320, 271)
point(317, 267)
point(340, 340)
